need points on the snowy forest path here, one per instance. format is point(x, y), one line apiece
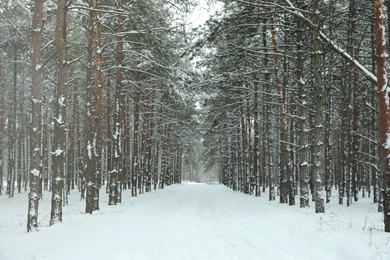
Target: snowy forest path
point(188, 221)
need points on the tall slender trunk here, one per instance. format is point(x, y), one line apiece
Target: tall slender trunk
point(249, 154)
point(71, 142)
point(343, 141)
point(111, 150)
point(147, 132)
point(127, 148)
point(142, 140)
point(356, 136)
point(12, 135)
point(234, 161)
point(59, 140)
point(45, 148)
point(328, 101)
point(20, 140)
point(384, 107)
point(328, 144)
point(282, 117)
point(36, 98)
point(99, 104)
point(136, 160)
point(255, 150)
point(116, 172)
point(244, 146)
point(318, 142)
point(74, 145)
point(303, 156)
point(1, 126)
point(163, 156)
point(375, 172)
point(239, 150)
point(328, 148)
point(268, 160)
point(348, 112)
point(290, 153)
point(155, 159)
point(90, 173)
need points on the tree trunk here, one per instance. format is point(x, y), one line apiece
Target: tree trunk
point(282, 117)
point(318, 142)
point(255, 150)
point(59, 140)
point(20, 141)
point(12, 135)
point(303, 156)
point(328, 104)
point(36, 98)
point(90, 173)
point(2, 129)
point(98, 105)
point(356, 136)
point(384, 107)
point(1, 126)
point(111, 151)
point(148, 145)
point(135, 160)
point(116, 175)
point(244, 151)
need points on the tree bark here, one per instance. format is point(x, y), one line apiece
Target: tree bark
point(36, 98)
point(1, 126)
point(90, 172)
point(135, 161)
point(384, 107)
point(318, 142)
point(59, 140)
point(303, 156)
point(116, 174)
point(282, 117)
point(255, 150)
point(98, 105)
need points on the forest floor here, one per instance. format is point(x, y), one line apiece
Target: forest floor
point(193, 221)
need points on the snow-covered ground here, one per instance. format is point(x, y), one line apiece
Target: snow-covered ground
point(191, 221)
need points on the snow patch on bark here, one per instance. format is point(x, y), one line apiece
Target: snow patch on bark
point(61, 101)
point(89, 150)
point(57, 152)
point(35, 172)
point(386, 144)
point(59, 120)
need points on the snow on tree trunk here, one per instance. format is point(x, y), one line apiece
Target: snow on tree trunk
point(112, 158)
point(384, 106)
point(135, 161)
point(90, 174)
point(109, 137)
point(303, 155)
point(59, 140)
point(1, 126)
point(36, 100)
point(255, 149)
point(282, 117)
point(98, 106)
point(117, 171)
point(318, 141)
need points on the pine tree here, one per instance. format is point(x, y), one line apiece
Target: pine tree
point(36, 98)
point(59, 144)
point(384, 107)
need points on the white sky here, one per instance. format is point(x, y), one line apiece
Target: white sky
point(202, 13)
